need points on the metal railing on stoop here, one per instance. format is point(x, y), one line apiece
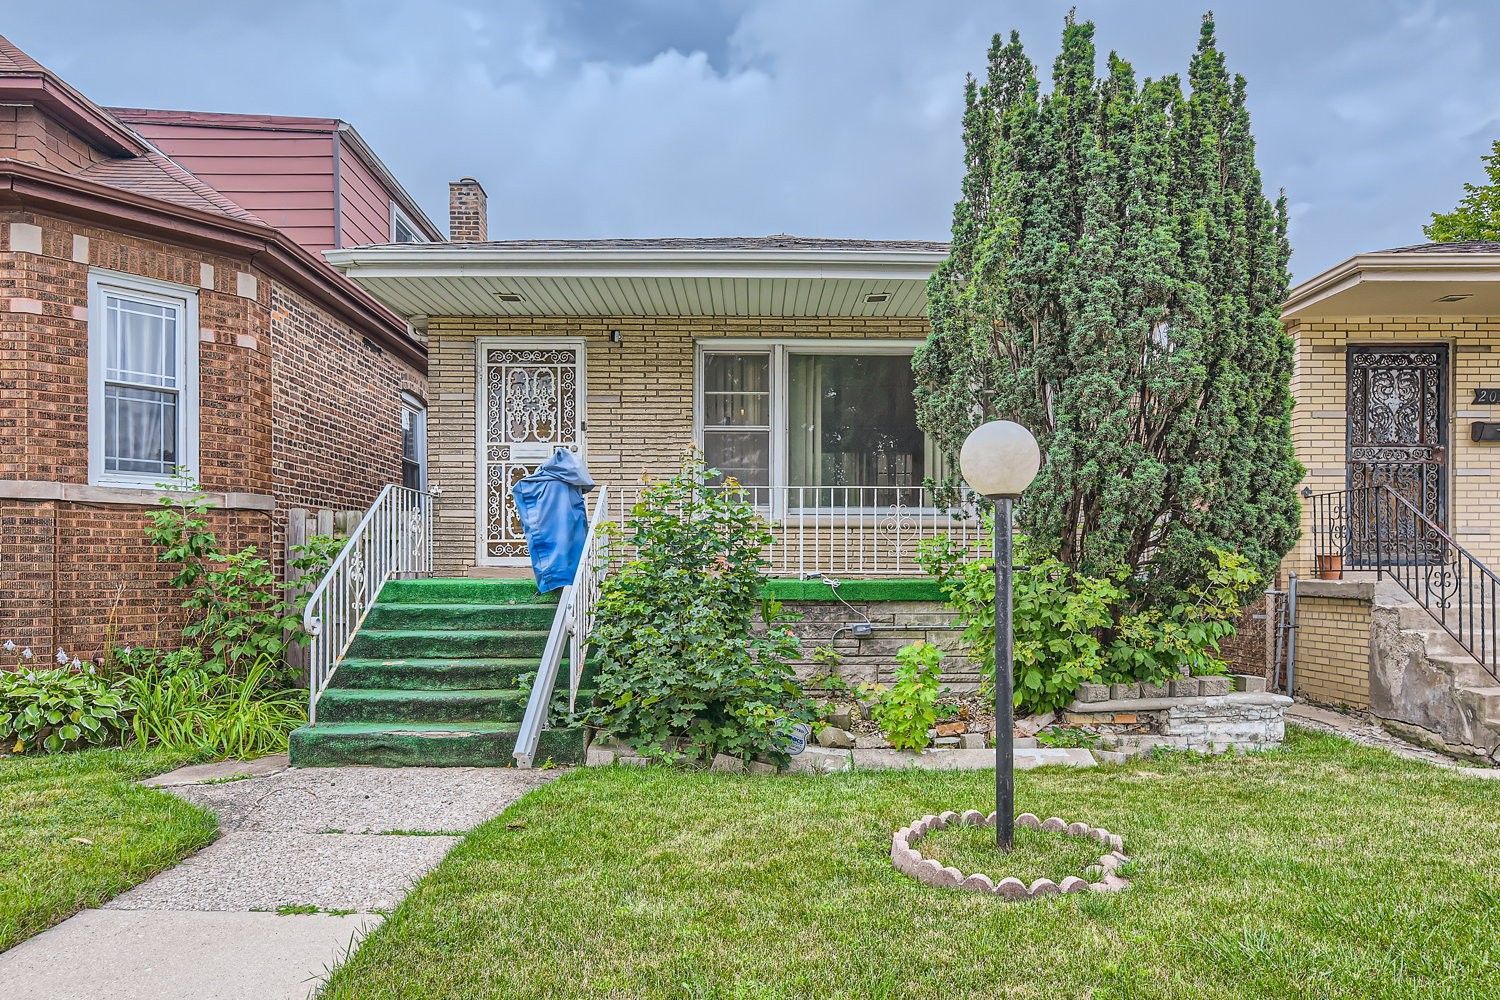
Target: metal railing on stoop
point(1374, 528)
point(392, 541)
point(570, 630)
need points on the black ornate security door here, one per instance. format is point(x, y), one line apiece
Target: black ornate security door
point(1398, 437)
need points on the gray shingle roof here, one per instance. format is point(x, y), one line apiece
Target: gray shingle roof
point(780, 241)
point(1463, 246)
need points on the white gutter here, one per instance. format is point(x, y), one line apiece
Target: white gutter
point(431, 261)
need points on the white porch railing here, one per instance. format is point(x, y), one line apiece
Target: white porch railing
point(847, 531)
point(570, 630)
point(393, 539)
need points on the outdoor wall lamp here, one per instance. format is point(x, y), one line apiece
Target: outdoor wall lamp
point(999, 460)
point(615, 337)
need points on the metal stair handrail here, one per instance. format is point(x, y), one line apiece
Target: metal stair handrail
point(571, 625)
point(393, 539)
point(1453, 586)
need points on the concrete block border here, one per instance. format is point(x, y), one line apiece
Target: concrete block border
point(909, 861)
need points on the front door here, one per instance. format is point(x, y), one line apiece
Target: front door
point(1398, 437)
point(532, 404)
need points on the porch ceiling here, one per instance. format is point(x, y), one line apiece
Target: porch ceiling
point(470, 280)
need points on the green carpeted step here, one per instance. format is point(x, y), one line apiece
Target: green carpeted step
point(426, 674)
point(393, 705)
point(463, 591)
point(389, 644)
point(426, 745)
point(442, 617)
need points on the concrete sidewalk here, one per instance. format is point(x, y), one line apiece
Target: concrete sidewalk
point(332, 849)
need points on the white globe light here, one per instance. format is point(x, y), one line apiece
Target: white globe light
point(999, 459)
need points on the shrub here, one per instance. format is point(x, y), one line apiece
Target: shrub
point(56, 708)
point(682, 671)
point(238, 613)
point(908, 709)
point(1071, 628)
point(179, 705)
point(1058, 616)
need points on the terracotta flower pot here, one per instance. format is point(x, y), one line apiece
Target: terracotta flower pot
point(1331, 567)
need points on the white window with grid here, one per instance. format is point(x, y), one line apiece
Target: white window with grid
point(143, 380)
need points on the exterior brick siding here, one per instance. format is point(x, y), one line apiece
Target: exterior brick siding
point(29, 135)
point(1333, 651)
point(294, 410)
point(639, 396)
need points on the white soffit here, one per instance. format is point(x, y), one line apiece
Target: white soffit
point(469, 282)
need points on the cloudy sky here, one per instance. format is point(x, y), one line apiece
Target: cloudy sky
point(818, 117)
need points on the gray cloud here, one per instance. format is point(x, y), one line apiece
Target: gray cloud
point(825, 117)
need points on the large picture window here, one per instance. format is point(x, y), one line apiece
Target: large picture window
point(143, 398)
point(835, 423)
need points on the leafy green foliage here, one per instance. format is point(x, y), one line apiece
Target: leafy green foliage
point(1151, 646)
point(186, 708)
point(683, 671)
point(56, 708)
point(238, 613)
point(908, 708)
point(1477, 215)
point(1115, 284)
point(1070, 628)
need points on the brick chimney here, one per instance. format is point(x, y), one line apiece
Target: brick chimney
point(468, 220)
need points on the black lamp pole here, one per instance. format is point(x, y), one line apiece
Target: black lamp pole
point(1005, 779)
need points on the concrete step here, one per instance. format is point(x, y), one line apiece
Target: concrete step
point(395, 705)
point(432, 674)
point(425, 744)
point(443, 617)
point(386, 644)
point(463, 591)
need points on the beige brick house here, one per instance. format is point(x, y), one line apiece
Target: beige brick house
point(1397, 409)
point(787, 360)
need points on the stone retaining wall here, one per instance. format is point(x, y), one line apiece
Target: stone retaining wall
point(873, 658)
point(1242, 720)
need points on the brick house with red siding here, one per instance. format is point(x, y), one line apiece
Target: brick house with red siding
point(148, 321)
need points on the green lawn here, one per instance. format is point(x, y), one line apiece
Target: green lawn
point(76, 830)
point(1322, 870)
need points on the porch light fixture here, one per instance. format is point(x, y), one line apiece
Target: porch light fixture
point(615, 337)
point(1454, 297)
point(510, 296)
point(999, 460)
point(876, 297)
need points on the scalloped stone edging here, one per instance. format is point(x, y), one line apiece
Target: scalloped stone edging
point(909, 861)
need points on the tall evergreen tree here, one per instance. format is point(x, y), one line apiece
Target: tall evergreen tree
point(1115, 282)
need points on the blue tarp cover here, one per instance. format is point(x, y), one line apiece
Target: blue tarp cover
point(550, 505)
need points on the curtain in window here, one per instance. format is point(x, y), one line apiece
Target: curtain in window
point(140, 386)
point(737, 416)
point(852, 422)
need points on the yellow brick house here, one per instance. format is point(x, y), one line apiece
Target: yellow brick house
point(1397, 421)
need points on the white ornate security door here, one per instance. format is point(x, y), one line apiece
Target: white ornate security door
point(531, 403)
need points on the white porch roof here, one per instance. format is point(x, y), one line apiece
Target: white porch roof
point(722, 276)
point(1429, 279)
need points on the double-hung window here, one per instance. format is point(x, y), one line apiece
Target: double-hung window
point(825, 424)
point(413, 443)
point(143, 380)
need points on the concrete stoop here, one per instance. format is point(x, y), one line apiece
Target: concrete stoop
point(437, 676)
point(1424, 686)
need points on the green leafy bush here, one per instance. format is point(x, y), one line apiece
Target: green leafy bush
point(683, 671)
point(238, 611)
point(56, 708)
point(181, 706)
point(1058, 617)
point(908, 708)
point(1071, 628)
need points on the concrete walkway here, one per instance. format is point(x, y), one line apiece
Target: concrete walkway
point(333, 849)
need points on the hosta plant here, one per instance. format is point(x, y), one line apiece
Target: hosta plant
point(56, 707)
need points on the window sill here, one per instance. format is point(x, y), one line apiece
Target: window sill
point(35, 489)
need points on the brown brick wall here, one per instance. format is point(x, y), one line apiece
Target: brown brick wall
point(32, 136)
point(639, 395)
point(292, 405)
point(1333, 651)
